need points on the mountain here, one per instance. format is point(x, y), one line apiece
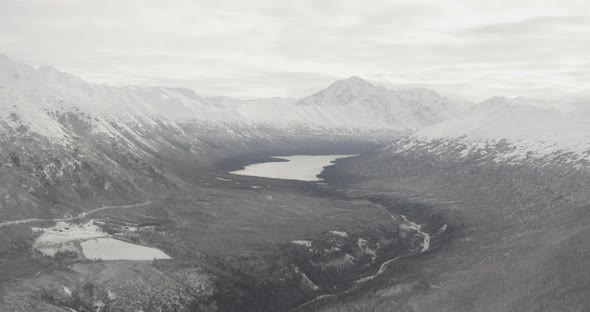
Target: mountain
point(347, 107)
point(513, 130)
point(376, 106)
point(499, 201)
point(503, 190)
point(350, 109)
point(68, 144)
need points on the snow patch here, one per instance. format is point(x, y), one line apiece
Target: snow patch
point(441, 230)
point(339, 233)
point(64, 232)
point(67, 291)
point(363, 245)
point(304, 243)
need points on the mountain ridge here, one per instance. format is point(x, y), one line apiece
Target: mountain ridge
point(368, 108)
point(512, 131)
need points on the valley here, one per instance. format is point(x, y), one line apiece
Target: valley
point(354, 198)
point(315, 231)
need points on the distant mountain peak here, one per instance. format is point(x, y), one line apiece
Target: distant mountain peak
point(496, 100)
point(353, 82)
point(341, 92)
point(356, 80)
point(352, 103)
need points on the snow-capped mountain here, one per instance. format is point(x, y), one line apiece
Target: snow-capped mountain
point(62, 108)
point(347, 107)
point(70, 144)
point(376, 106)
point(18, 117)
point(352, 105)
point(67, 144)
point(513, 131)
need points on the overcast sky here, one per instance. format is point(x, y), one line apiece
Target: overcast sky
point(264, 48)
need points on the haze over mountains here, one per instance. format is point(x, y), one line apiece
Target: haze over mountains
point(351, 106)
point(76, 144)
point(113, 143)
point(481, 180)
point(46, 101)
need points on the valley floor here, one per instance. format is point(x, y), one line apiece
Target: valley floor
point(238, 237)
point(382, 234)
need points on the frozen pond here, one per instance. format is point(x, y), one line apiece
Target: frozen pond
point(107, 248)
point(297, 167)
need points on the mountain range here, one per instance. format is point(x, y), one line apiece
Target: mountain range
point(513, 131)
point(351, 106)
point(497, 189)
point(67, 144)
point(70, 143)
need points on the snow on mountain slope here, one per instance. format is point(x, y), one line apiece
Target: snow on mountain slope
point(265, 111)
point(66, 144)
point(17, 117)
point(350, 105)
point(134, 117)
point(341, 92)
point(377, 106)
point(514, 130)
point(347, 107)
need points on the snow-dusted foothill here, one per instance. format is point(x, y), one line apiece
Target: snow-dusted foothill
point(511, 131)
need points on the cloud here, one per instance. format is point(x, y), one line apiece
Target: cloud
point(263, 48)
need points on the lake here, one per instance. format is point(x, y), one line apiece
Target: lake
point(296, 167)
point(106, 248)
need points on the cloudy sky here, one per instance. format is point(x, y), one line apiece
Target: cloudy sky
point(263, 48)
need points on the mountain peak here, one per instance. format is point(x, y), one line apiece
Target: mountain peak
point(496, 100)
point(356, 79)
point(353, 81)
point(12, 70)
point(341, 92)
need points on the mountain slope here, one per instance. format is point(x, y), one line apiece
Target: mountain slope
point(68, 145)
point(97, 145)
point(405, 110)
point(348, 108)
point(513, 131)
point(509, 180)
